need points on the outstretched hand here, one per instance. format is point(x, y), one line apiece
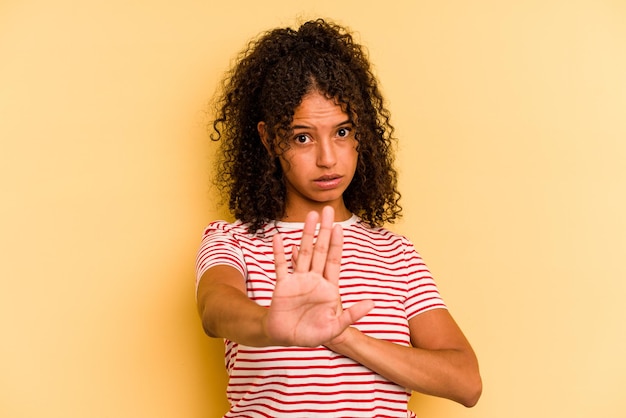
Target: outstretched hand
point(306, 306)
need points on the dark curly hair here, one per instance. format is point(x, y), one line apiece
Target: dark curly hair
point(267, 83)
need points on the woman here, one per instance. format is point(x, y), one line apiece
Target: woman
point(324, 312)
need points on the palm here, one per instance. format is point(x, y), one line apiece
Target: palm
point(306, 306)
point(305, 310)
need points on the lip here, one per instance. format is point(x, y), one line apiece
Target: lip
point(328, 182)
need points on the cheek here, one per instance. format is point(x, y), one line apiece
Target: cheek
point(297, 161)
point(351, 155)
point(292, 166)
point(286, 162)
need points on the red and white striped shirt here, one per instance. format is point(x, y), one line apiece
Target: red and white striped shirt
point(377, 264)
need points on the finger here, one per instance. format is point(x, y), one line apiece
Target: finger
point(305, 254)
point(355, 312)
point(280, 263)
point(333, 260)
point(294, 256)
point(320, 252)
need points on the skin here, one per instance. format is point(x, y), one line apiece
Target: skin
point(306, 308)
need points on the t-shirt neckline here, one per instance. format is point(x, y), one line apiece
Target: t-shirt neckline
point(300, 225)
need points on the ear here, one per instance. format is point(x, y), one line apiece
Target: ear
point(261, 128)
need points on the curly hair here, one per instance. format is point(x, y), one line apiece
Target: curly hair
point(267, 83)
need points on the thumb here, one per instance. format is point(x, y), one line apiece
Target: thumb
point(355, 312)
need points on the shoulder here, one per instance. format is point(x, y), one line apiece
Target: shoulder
point(375, 235)
point(235, 228)
point(220, 226)
point(237, 231)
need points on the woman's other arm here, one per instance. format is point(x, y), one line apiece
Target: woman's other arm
point(441, 361)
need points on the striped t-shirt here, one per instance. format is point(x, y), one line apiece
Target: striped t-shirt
point(377, 264)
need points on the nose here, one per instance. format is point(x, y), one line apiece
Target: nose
point(326, 153)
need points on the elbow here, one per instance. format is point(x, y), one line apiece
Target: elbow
point(208, 330)
point(472, 392)
point(207, 323)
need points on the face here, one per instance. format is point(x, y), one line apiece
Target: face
point(321, 158)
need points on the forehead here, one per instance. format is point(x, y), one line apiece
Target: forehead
point(316, 106)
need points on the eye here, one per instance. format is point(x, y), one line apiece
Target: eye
point(343, 132)
point(301, 139)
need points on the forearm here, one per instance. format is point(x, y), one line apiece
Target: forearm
point(447, 373)
point(227, 312)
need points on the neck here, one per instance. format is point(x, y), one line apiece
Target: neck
point(299, 214)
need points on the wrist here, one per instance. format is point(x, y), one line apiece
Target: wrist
point(265, 334)
point(342, 343)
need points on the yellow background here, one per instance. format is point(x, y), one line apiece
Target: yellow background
point(512, 125)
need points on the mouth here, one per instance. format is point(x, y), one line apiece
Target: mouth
point(328, 182)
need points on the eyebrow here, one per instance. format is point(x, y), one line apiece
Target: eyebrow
point(346, 122)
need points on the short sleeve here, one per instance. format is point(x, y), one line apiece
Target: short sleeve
point(423, 294)
point(219, 247)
